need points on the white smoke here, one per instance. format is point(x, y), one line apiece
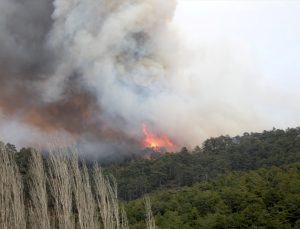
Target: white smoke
point(128, 55)
point(122, 49)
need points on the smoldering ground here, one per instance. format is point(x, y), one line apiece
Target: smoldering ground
point(96, 71)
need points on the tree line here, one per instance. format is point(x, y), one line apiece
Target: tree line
point(68, 191)
point(265, 198)
point(215, 157)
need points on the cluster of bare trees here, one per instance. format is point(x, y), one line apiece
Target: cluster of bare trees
point(61, 193)
point(12, 210)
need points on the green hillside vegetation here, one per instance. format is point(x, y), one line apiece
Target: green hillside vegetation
point(266, 198)
point(215, 157)
point(228, 182)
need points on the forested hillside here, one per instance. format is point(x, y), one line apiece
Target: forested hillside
point(266, 198)
point(229, 182)
point(215, 157)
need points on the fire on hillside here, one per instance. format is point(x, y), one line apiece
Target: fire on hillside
point(156, 143)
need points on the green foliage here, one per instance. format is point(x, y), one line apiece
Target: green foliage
point(266, 198)
point(241, 182)
point(216, 157)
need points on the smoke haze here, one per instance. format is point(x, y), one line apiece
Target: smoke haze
point(96, 71)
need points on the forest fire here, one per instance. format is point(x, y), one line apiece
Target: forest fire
point(155, 141)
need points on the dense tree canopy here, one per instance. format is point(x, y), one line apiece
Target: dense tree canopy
point(245, 181)
point(216, 157)
point(266, 198)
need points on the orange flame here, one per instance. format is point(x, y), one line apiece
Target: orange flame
point(156, 141)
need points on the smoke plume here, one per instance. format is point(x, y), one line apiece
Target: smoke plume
point(86, 68)
point(97, 71)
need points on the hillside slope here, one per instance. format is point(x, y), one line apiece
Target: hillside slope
point(266, 198)
point(216, 157)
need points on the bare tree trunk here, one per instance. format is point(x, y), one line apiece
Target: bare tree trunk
point(12, 212)
point(84, 200)
point(64, 178)
point(124, 220)
point(107, 201)
point(60, 186)
point(150, 219)
point(38, 203)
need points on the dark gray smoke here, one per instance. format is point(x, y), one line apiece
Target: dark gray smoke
point(63, 61)
point(97, 71)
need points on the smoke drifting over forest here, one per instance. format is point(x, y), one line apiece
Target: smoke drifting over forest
point(97, 71)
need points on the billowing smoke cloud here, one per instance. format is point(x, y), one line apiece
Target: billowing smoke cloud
point(86, 68)
point(98, 70)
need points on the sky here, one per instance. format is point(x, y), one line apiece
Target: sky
point(268, 29)
point(101, 72)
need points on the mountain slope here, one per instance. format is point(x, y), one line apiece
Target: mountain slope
point(265, 198)
point(216, 157)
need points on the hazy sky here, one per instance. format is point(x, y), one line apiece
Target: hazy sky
point(233, 67)
point(270, 30)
